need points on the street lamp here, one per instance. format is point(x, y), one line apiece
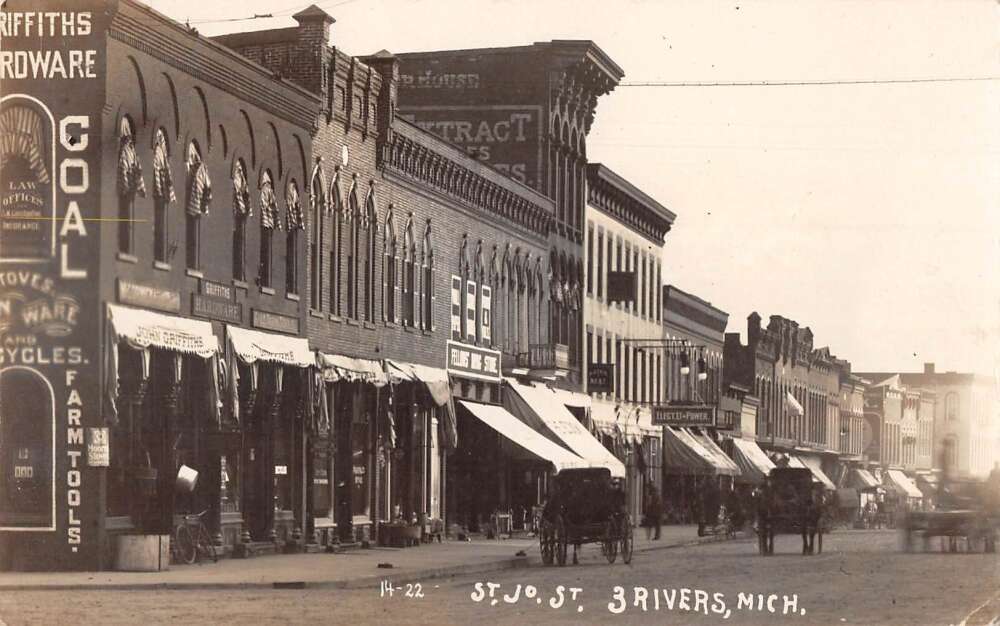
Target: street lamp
point(685, 364)
point(702, 371)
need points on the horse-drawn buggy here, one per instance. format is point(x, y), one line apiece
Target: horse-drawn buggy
point(585, 506)
point(789, 502)
point(966, 510)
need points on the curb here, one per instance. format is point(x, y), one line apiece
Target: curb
point(363, 582)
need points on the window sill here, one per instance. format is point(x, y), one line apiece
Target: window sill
point(160, 265)
point(369, 326)
point(315, 313)
point(194, 273)
point(336, 318)
point(241, 284)
point(267, 290)
point(127, 258)
point(409, 329)
point(294, 297)
point(428, 333)
point(390, 324)
point(353, 322)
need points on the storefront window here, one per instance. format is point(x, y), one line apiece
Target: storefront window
point(322, 470)
point(359, 463)
point(26, 422)
point(229, 482)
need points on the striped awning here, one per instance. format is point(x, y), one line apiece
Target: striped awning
point(21, 136)
point(293, 208)
point(163, 180)
point(199, 191)
point(268, 205)
point(130, 181)
point(241, 191)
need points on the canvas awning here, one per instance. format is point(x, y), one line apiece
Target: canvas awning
point(684, 454)
point(253, 345)
point(754, 464)
point(815, 466)
point(142, 329)
point(436, 379)
point(863, 479)
point(539, 408)
point(337, 367)
point(720, 458)
point(525, 437)
point(573, 399)
point(626, 422)
point(904, 486)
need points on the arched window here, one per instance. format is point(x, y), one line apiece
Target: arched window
point(317, 207)
point(504, 303)
point(529, 302)
point(337, 244)
point(199, 196)
point(540, 294)
point(951, 406)
point(268, 223)
point(130, 184)
point(484, 294)
point(428, 280)
point(493, 281)
point(371, 232)
point(353, 218)
point(163, 195)
point(511, 323)
point(390, 265)
point(242, 210)
point(520, 342)
point(293, 224)
point(411, 302)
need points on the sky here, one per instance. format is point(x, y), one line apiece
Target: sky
point(870, 213)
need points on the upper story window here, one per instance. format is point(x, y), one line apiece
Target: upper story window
point(199, 196)
point(428, 281)
point(390, 269)
point(163, 195)
point(269, 221)
point(317, 209)
point(410, 302)
point(242, 210)
point(293, 224)
point(370, 224)
point(130, 184)
point(951, 406)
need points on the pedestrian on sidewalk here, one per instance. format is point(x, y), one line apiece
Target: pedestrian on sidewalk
point(654, 512)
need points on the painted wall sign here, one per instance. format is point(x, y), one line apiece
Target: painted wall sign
point(506, 137)
point(684, 415)
point(621, 286)
point(52, 81)
point(215, 308)
point(473, 361)
point(148, 296)
point(275, 322)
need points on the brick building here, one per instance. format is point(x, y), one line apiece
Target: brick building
point(182, 171)
point(526, 111)
point(420, 256)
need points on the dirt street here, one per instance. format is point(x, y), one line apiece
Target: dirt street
point(862, 578)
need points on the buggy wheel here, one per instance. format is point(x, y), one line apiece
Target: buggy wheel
point(611, 541)
point(560, 541)
point(546, 543)
point(186, 550)
point(626, 540)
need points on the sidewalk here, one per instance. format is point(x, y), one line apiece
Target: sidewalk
point(347, 570)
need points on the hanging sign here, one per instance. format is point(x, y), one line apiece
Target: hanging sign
point(98, 447)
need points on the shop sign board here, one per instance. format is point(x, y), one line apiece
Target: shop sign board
point(220, 291)
point(52, 117)
point(621, 286)
point(473, 361)
point(684, 414)
point(600, 377)
point(275, 321)
point(149, 296)
point(98, 447)
point(216, 308)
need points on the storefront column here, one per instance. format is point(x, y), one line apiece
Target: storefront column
point(248, 401)
point(272, 419)
point(132, 396)
point(169, 399)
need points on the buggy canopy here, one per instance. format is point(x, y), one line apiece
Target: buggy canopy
point(540, 408)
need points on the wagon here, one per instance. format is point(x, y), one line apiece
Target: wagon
point(789, 503)
point(966, 510)
point(585, 506)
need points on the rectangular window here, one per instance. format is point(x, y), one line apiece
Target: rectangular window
point(193, 241)
point(590, 261)
point(239, 248)
point(618, 256)
point(627, 374)
point(160, 245)
point(599, 349)
point(486, 317)
point(635, 375)
point(590, 348)
point(659, 291)
point(456, 308)
point(471, 327)
point(642, 289)
point(291, 261)
point(618, 368)
point(627, 263)
point(600, 263)
point(264, 278)
point(635, 268)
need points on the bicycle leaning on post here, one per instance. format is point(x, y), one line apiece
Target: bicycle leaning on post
point(191, 540)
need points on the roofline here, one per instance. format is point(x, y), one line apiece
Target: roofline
point(690, 296)
point(608, 175)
